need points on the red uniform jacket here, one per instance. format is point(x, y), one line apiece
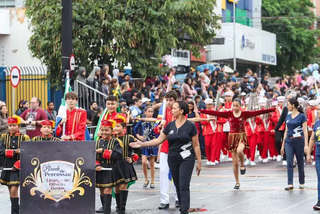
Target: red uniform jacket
point(273, 120)
point(248, 128)
point(260, 125)
point(228, 106)
point(206, 126)
point(220, 122)
point(311, 116)
point(169, 117)
point(278, 114)
point(75, 125)
point(113, 115)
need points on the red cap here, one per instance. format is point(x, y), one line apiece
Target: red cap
point(120, 119)
point(12, 120)
point(47, 123)
point(108, 123)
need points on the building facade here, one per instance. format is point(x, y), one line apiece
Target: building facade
point(253, 46)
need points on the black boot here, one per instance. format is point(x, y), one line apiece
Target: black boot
point(123, 201)
point(100, 210)
point(11, 205)
point(107, 204)
point(118, 202)
point(14, 205)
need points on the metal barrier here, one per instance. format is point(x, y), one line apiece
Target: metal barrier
point(34, 83)
point(88, 94)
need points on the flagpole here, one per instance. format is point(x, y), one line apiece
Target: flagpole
point(164, 113)
point(66, 89)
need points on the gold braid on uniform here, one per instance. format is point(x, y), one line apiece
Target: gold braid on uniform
point(110, 146)
point(40, 138)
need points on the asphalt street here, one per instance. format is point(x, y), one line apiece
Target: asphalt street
point(262, 192)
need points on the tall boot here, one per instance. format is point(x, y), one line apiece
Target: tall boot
point(118, 202)
point(123, 201)
point(107, 203)
point(100, 210)
point(11, 205)
point(14, 205)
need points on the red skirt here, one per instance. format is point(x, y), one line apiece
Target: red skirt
point(234, 139)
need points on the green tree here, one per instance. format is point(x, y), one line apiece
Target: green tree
point(292, 21)
point(135, 31)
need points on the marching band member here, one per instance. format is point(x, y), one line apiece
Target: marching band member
point(237, 139)
point(208, 131)
point(250, 127)
point(219, 133)
point(272, 124)
point(111, 105)
point(311, 115)
point(125, 166)
point(171, 97)
point(226, 126)
point(76, 120)
point(282, 112)
point(10, 149)
point(109, 151)
point(311, 119)
point(46, 131)
point(260, 129)
point(266, 122)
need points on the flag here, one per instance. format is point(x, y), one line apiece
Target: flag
point(162, 110)
point(62, 113)
point(104, 113)
point(162, 113)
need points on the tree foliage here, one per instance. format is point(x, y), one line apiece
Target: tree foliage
point(135, 31)
point(292, 21)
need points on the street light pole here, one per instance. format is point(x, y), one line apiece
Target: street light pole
point(234, 36)
point(66, 36)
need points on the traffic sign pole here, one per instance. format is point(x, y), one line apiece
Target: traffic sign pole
point(15, 77)
point(13, 100)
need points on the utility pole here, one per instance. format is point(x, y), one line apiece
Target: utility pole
point(66, 38)
point(234, 36)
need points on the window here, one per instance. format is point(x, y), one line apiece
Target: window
point(7, 3)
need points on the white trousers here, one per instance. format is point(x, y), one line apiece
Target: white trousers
point(164, 180)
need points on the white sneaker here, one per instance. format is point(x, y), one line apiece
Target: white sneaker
point(279, 158)
point(157, 166)
point(270, 158)
point(248, 161)
point(223, 157)
point(208, 163)
point(257, 153)
point(313, 163)
point(253, 163)
point(212, 163)
point(216, 162)
point(265, 160)
point(312, 157)
point(260, 158)
point(274, 158)
point(229, 159)
point(284, 163)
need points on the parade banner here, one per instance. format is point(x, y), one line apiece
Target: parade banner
point(57, 177)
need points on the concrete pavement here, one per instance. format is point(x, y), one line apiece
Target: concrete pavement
point(261, 191)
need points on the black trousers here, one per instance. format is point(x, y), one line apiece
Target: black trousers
point(181, 171)
point(279, 138)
